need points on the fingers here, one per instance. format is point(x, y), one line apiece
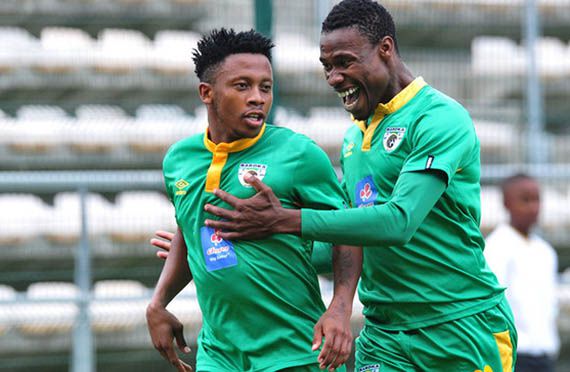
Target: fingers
point(162, 255)
point(228, 198)
point(220, 212)
point(179, 337)
point(257, 184)
point(161, 244)
point(317, 336)
point(164, 234)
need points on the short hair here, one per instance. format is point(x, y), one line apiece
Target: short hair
point(511, 180)
point(213, 49)
point(370, 18)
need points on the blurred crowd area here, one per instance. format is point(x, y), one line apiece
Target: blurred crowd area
point(91, 86)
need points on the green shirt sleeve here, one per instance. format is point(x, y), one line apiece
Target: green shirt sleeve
point(392, 223)
point(315, 183)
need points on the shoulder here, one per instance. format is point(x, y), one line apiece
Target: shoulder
point(181, 148)
point(291, 141)
point(443, 110)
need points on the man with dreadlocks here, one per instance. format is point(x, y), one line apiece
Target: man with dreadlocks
point(260, 300)
point(411, 167)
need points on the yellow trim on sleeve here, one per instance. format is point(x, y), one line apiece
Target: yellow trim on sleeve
point(220, 153)
point(382, 110)
point(503, 340)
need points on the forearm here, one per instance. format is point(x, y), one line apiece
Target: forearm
point(347, 266)
point(175, 273)
point(392, 223)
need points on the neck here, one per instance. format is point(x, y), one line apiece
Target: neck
point(523, 230)
point(401, 79)
point(217, 134)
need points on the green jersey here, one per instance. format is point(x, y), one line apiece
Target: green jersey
point(439, 274)
point(259, 299)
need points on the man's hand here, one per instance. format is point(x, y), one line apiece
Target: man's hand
point(334, 326)
point(254, 218)
point(163, 245)
point(164, 327)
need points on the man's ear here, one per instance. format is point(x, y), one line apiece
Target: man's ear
point(206, 92)
point(386, 48)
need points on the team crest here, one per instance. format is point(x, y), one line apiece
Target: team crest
point(370, 368)
point(392, 138)
point(258, 170)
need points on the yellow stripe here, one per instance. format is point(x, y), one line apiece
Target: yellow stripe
point(220, 153)
point(503, 340)
point(382, 110)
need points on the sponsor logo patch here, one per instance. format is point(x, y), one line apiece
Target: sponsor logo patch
point(366, 192)
point(218, 253)
point(258, 170)
point(392, 138)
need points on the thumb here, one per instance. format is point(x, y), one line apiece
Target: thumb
point(317, 336)
point(179, 336)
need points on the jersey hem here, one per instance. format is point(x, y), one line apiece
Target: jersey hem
point(269, 367)
point(409, 326)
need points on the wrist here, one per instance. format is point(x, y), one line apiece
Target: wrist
point(290, 223)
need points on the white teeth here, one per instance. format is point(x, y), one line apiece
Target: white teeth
point(347, 92)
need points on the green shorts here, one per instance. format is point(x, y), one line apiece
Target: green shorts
point(484, 342)
point(310, 368)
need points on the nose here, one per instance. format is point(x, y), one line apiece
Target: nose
point(257, 97)
point(334, 78)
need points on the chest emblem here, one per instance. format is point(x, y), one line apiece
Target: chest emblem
point(258, 170)
point(366, 192)
point(392, 138)
point(348, 149)
point(181, 184)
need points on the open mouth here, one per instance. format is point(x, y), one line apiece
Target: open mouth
point(349, 97)
point(255, 119)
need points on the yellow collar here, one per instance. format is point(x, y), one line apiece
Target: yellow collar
point(220, 156)
point(234, 146)
point(382, 110)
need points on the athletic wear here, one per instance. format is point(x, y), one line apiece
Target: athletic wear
point(259, 299)
point(483, 342)
point(437, 272)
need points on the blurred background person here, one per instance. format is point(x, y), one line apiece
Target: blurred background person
point(527, 265)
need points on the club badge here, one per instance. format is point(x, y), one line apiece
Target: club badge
point(258, 170)
point(392, 138)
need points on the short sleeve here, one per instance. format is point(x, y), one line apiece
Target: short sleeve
point(315, 183)
point(442, 139)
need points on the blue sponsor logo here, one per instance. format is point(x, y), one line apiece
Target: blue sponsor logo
point(218, 253)
point(366, 192)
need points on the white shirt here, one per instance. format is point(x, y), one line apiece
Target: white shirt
point(528, 268)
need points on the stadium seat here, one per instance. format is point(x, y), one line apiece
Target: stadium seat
point(18, 48)
point(51, 311)
point(119, 305)
point(171, 52)
point(21, 219)
point(121, 51)
point(7, 310)
point(138, 214)
point(64, 50)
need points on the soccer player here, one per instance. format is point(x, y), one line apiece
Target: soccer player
point(411, 167)
point(260, 300)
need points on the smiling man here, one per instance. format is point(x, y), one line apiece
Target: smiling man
point(260, 300)
point(411, 167)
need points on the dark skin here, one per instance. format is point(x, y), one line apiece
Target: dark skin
point(350, 61)
point(238, 101)
point(522, 200)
